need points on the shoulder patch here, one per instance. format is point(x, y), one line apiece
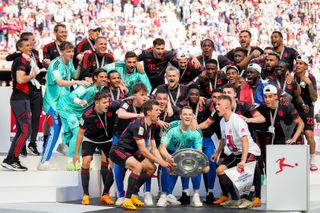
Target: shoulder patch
point(125, 106)
point(141, 130)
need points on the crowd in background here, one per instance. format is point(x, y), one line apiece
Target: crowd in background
point(132, 25)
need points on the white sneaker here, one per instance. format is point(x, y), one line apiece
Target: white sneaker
point(63, 149)
point(119, 201)
point(172, 200)
point(245, 204)
point(148, 199)
point(162, 202)
point(196, 200)
point(45, 166)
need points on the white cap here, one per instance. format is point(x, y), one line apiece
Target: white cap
point(255, 67)
point(270, 89)
point(303, 58)
point(182, 54)
point(93, 26)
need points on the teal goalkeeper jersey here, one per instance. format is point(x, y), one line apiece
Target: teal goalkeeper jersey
point(176, 139)
point(57, 70)
point(85, 93)
point(128, 79)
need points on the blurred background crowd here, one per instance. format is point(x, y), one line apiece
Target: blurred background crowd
point(133, 24)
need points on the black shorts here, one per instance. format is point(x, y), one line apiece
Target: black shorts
point(232, 160)
point(119, 156)
point(88, 148)
point(308, 118)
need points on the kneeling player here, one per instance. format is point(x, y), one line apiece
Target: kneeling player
point(136, 150)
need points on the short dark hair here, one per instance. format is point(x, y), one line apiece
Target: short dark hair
point(277, 32)
point(25, 35)
point(185, 107)
point(100, 95)
point(246, 31)
point(56, 27)
point(240, 49)
point(207, 39)
point(161, 90)
point(96, 72)
point(158, 41)
point(148, 106)
point(139, 87)
point(276, 55)
point(130, 54)
point(66, 45)
point(211, 61)
point(217, 90)
point(111, 72)
point(20, 42)
point(268, 48)
point(192, 86)
point(225, 97)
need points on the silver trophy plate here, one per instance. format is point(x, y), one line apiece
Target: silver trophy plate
point(190, 162)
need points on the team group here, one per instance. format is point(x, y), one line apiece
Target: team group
point(140, 114)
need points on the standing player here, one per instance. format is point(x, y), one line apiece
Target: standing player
point(71, 107)
point(287, 54)
point(87, 44)
point(53, 49)
point(95, 59)
point(22, 75)
point(309, 95)
point(212, 79)
point(128, 71)
point(236, 136)
point(113, 87)
point(177, 92)
point(59, 80)
point(155, 61)
point(95, 131)
point(136, 151)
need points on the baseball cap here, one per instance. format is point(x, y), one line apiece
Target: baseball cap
point(270, 89)
point(255, 67)
point(303, 58)
point(182, 54)
point(232, 67)
point(93, 26)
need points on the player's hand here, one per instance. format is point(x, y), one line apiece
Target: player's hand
point(162, 124)
point(290, 141)
point(140, 68)
point(306, 79)
point(206, 169)
point(84, 83)
point(170, 160)
point(195, 63)
point(255, 54)
point(124, 89)
point(76, 159)
point(305, 108)
point(194, 124)
point(83, 103)
point(165, 164)
point(88, 79)
point(46, 61)
point(240, 166)
point(214, 157)
point(80, 56)
point(289, 79)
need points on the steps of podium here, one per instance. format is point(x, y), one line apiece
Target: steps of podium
point(57, 161)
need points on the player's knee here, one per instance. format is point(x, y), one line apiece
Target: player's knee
point(86, 161)
point(220, 170)
point(137, 168)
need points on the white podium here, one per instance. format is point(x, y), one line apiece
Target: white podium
point(288, 177)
